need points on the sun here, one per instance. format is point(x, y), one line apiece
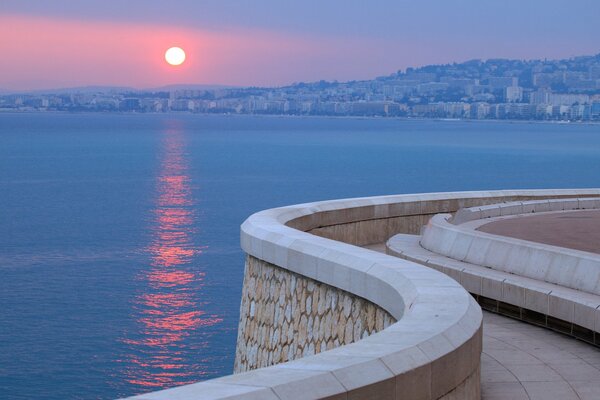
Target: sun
point(175, 56)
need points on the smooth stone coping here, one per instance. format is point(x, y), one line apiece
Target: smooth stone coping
point(577, 229)
point(561, 266)
point(433, 348)
point(523, 207)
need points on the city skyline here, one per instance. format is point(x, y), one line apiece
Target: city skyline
point(69, 44)
point(565, 90)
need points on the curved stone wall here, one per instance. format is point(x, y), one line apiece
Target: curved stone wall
point(569, 268)
point(286, 316)
point(540, 284)
point(523, 207)
point(431, 352)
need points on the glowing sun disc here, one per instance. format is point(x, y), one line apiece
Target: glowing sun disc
point(175, 56)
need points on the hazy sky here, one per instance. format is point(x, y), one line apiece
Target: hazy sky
point(61, 43)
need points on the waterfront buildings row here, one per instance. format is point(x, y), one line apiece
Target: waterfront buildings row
point(566, 109)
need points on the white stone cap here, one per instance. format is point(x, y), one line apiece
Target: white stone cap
point(523, 207)
point(565, 267)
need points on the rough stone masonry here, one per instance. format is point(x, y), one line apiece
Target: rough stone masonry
point(285, 316)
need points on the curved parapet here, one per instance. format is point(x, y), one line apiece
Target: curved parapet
point(569, 268)
point(523, 207)
point(543, 284)
point(433, 349)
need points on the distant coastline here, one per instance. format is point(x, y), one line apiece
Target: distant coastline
point(292, 116)
point(493, 89)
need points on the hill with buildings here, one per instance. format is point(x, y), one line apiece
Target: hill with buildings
point(567, 89)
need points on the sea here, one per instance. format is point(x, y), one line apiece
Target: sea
point(120, 265)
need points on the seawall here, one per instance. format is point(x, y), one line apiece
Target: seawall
point(288, 316)
point(424, 341)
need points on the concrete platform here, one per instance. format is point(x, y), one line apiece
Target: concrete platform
point(579, 230)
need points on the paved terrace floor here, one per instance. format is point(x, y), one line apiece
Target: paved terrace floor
point(525, 362)
point(578, 230)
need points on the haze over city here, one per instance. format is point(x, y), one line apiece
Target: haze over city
point(269, 43)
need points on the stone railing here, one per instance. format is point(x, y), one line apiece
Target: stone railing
point(432, 343)
point(542, 284)
point(523, 207)
point(558, 265)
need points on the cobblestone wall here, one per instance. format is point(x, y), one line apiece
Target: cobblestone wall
point(285, 316)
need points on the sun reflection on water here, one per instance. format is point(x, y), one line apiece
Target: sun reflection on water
point(167, 309)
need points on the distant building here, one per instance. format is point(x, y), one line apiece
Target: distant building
point(569, 99)
point(580, 112)
point(182, 105)
point(130, 104)
point(513, 94)
point(479, 110)
point(540, 96)
point(374, 108)
point(543, 111)
point(560, 112)
point(456, 110)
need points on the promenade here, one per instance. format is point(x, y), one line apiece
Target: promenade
point(521, 361)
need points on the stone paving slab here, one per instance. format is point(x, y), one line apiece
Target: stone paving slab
point(523, 361)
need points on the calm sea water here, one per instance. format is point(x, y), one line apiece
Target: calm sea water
point(120, 267)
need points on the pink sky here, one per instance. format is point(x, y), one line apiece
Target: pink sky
point(50, 53)
point(54, 52)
